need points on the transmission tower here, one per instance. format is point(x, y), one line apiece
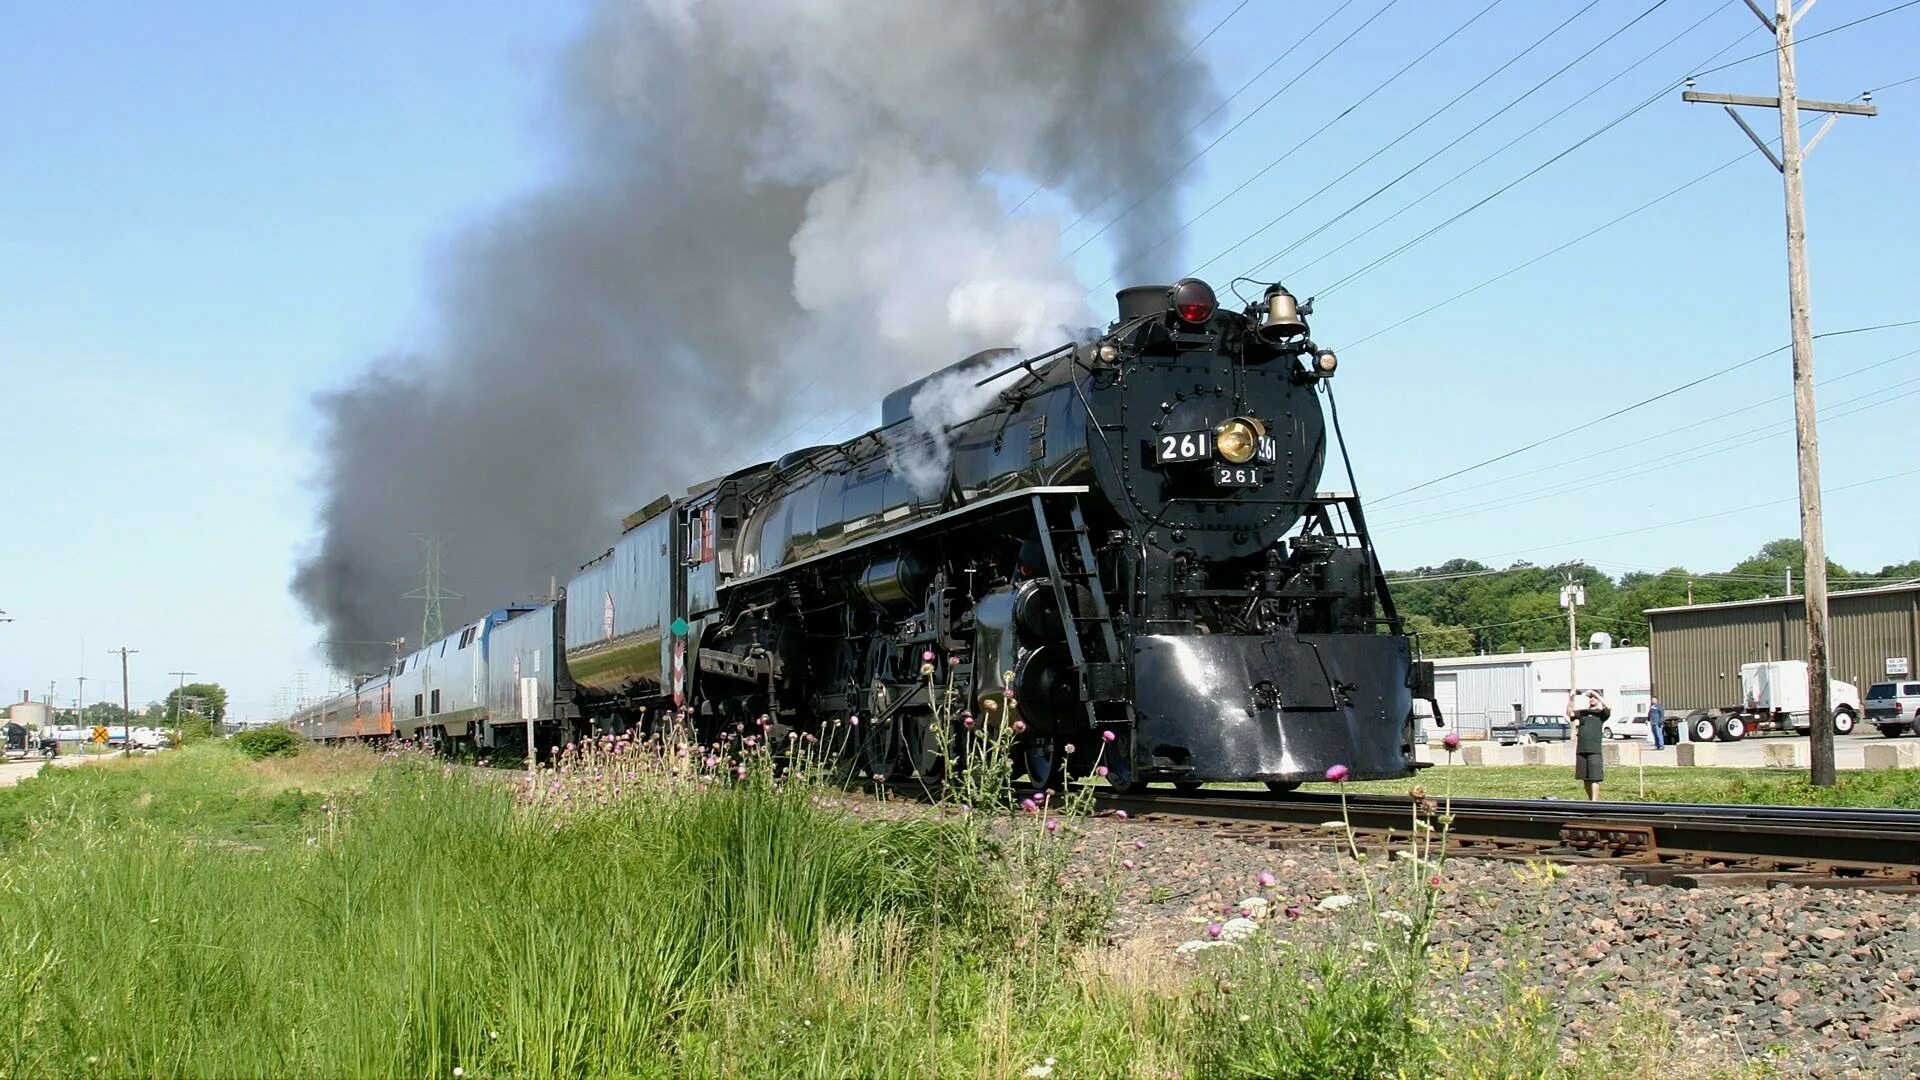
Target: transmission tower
point(431, 592)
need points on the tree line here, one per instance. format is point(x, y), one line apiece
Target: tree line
point(1462, 607)
point(199, 703)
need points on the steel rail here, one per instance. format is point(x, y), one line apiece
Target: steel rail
point(1836, 841)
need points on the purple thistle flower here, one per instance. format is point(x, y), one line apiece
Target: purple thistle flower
point(966, 720)
point(853, 720)
point(1337, 774)
point(1107, 736)
point(1053, 825)
point(1068, 748)
point(1100, 771)
point(1128, 863)
point(1140, 845)
point(1265, 879)
point(1451, 740)
point(1029, 806)
point(1019, 726)
point(1121, 814)
point(1293, 911)
point(1213, 930)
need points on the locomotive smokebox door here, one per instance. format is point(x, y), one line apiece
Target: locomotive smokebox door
point(1281, 706)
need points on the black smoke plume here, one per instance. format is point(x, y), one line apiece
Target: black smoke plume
point(771, 210)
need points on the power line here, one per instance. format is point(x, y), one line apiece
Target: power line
point(1705, 517)
point(1337, 117)
point(1810, 37)
point(1891, 85)
point(1701, 424)
point(1463, 136)
point(1589, 234)
point(1545, 255)
point(1578, 144)
point(1641, 468)
point(1457, 140)
point(1642, 403)
point(1414, 578)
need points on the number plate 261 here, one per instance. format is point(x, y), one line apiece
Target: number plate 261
point(1183, 446)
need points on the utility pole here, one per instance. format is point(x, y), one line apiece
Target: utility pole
point(1572, 595)
point(126, 701)
point(179, 699)
point(1806, 437)
point(80, 695)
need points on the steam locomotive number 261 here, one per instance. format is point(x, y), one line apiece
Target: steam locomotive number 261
point(1129, 538)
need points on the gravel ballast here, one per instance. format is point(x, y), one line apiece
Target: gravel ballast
point(1818, 982)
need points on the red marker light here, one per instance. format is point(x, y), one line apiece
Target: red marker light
point(1193, 301)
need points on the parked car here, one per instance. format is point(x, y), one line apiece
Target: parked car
point(1537, 728)
point(1894, 707)
point(1636, 727)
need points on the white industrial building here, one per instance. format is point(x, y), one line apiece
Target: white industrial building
point(1477, 692)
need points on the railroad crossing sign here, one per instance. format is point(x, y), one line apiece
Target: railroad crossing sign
point(100, 733)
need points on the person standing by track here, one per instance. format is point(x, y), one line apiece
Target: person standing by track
point(1657, 724)
point(1587, 766)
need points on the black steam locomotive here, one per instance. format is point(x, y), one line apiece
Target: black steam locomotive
point(1127, 537)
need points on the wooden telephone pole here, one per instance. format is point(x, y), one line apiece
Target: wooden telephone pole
point(1806, 438)
point(126, 701)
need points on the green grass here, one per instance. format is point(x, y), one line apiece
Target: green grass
point(1887, 787)
point(340, 914)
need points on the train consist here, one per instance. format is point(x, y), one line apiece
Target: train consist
point(1127, 538)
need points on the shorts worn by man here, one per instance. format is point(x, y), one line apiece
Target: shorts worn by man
point(1587, 767)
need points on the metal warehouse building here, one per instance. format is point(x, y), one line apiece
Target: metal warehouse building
point(1698, 649)
point(1477, 692)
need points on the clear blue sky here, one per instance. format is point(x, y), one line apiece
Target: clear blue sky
point(209, 213)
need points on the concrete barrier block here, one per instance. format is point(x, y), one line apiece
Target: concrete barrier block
point(1533, 755)
point(1784, 755)
point(1474, 754)
point(1697, 753)
point(1890, 756)
point(1620, 753)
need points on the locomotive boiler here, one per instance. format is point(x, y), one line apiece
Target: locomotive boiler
point(1122, 548)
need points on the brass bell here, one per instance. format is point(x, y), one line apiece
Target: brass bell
point(1283, 316)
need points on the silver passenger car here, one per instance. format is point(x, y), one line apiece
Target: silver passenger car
point(619, 608)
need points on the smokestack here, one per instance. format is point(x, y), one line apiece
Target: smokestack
point(768, 212)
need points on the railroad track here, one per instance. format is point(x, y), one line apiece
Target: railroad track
point(1684, 845)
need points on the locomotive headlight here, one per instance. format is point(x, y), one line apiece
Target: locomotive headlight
point(1238, 439)
point(1108, 352)
point(1324, 363)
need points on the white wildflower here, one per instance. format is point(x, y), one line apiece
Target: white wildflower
point(1400, 917)
point(1334, 902)
point(1333, 824)
point(1238, 929)
point(1243, 1018)
point(458, 1071)
point(1254, 907)
point(1369, 946)
point(1186, 947)
point(1039, 1071)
